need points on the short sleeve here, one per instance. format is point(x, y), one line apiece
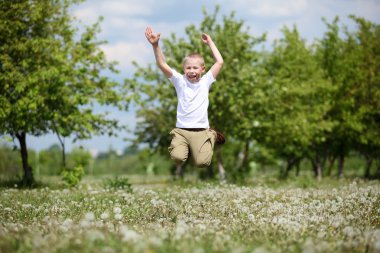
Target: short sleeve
point(209, 78)
point(176, 77)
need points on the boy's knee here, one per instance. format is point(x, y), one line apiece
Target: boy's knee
point(203, 160)
point(178, 156)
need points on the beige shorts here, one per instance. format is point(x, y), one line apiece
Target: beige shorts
point(200, 144)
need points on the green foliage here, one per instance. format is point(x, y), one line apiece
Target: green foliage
point(294, 120)
point(50, 160)
point(51, 75)
point(72, 176)
point(117, 182)
point(79, 157)
point(9, 161)
point(352, 63)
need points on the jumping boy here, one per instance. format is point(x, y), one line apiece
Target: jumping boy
point(192, 133)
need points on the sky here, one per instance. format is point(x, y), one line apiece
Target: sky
point(125, 21)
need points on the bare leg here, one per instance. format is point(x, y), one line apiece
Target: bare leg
point(222, 172)
point(179, 173)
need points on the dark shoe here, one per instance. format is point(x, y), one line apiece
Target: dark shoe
point(219, 137)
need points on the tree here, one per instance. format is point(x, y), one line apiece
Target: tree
point(352, 64)
point(363, 52)
point(50, 75)
point(297, 101)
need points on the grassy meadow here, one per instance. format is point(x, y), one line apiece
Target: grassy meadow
point(155, 214)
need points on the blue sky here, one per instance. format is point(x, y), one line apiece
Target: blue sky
point(125, 22)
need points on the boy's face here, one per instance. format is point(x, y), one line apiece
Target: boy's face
point(193, 69)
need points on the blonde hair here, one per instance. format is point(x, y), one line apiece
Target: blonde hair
point(192, 56)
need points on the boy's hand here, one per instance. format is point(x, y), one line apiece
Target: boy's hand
point(152, 38)
point(206, 38)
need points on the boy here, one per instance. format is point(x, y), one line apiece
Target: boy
point(192, 133)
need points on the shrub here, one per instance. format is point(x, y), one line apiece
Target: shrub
point(118, 183)
point(73, 176)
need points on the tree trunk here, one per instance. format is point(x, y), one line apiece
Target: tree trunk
point(62, 141)
point(27, 179)
point(244, 157)
point(331, 165)
point(222, 172)
point(289, 165)
point(319, 172)
point(297, 169)
point(63, 154)
point(340, 166)
point(369, 160)
point(317, 167)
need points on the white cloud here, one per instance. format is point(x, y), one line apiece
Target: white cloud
point(128, 8)
point(126, 52)
point(87, 15)
point(272, 8)
point(127, 28)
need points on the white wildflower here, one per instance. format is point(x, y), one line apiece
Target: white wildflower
point(94, 235)
point(251, 217)
point(104, 216)
point(117, 210)
point(321, 234)
point(68, 222)
point(90, 216)
point(155, 241)
point(308, 246)
point(260, 250)
point(118, 216)
point(84, 224)
point(202, 226)
point(108, 250)
point(129, 235)
point(376, 246)
point(199, 250)
point(181, 229)
point(349, 231)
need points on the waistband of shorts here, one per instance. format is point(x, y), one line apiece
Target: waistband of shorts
point(193, 129)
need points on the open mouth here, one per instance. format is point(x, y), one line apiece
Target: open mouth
point(192, 76)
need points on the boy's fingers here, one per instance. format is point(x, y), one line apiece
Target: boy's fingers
point(147, 34)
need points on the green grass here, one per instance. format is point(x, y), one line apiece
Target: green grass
point(160, 215)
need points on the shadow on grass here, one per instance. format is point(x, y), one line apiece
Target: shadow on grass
point(19, 183)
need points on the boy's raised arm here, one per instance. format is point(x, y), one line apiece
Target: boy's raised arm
point(160, 58)
point(215, 69)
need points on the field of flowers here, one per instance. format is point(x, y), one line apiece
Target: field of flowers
point(197, 218)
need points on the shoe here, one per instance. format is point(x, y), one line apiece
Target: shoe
point(219, 137)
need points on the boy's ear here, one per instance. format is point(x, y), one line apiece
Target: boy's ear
point(203, 69)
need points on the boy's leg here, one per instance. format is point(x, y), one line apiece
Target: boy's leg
point(202, 147)
point(179, 146)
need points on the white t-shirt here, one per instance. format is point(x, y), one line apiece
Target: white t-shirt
point(192, 100)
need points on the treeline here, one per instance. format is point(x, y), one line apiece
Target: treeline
point(49, 162)
point(133, 161)
point(315, 102)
